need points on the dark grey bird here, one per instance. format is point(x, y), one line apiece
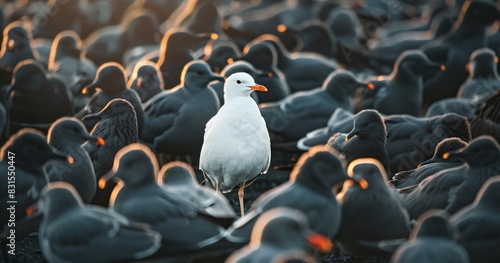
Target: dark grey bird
point(220, 53)
point(411, 140)
point(311, 189)
point(67, 135)
point(67, 59)
point(367, 139)
point(302, 71)
point(486, 120)
point(16, 47)
point(110, 83)
point(481, 155)
point(110, 43)
point(432, 166)
point(454, 49)
point(479, 224)
point(36, 99)
point(402, 90)
point(146, 80)
point(483, 76)
point(117, 125)
point(302, 112)
point(142, 200)
point(278, 233)
point(73, 232)
point(433, 239)
point(175, 119)
point(374, 219)
point(178, 178)
point(175, 52)
point(24, 155)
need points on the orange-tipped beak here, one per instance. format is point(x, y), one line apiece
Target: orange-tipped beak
point(446, 155)
point(102, 183)
point(443, 67)
point(270, 74)
point(362, 183)
point(258, 87)
point(496, 59)
point(281, 28)
point(71, 160)
point(85, 90)
point(321, 242)
point(214, 36)
point(230, 61)
point(139, 82)
point(32, 209)
point(370, 86)
point(100, 141)
point(11, 44)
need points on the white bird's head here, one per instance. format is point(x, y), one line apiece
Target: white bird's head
point(240, 84)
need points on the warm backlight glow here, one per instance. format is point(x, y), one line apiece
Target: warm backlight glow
point(230, 61)
point(85, 90)
point(214, 36)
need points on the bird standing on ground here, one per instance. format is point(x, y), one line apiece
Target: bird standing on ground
point(236, 147)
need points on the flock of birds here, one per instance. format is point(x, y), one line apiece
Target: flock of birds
point(384, 115)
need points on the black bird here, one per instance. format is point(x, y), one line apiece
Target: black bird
point(431, 166)
point(138, 28)
point(72, 231)
point(146, 80)
point(220, 53)
point(175, 119)
point(374, 219)
point(302, 112)
point(311, 190)
point(117, 125)
point(483, 76)
point(454, 49)
point(110, 83)
point(175, 52)
point(68, 60)
point(314, 36)
point(27, 151)
point(401, 91)
point(481, 155)
point(67, 135)
point(367, 139)
point(178, 178)
point(479, 224)
point(16, 47)
point(433, 240)
point(36, 99)
point(142, 200)
point(280, 233)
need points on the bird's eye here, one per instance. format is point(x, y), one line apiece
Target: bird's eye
point(238, 81)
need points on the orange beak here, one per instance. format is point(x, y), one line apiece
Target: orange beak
point(139, 82)
point(446, 155)
point(258, 87)
point(320, 241)
point(100, 141)
point(370, 86)
point(443, 67)
point(362, 183)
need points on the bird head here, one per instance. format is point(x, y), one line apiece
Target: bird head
point(239, 85)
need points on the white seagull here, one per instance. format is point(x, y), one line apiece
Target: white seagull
point(236, 147)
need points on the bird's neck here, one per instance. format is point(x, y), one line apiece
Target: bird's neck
point(468, 28)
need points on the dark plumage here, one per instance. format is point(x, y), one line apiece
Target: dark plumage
point(297, 114)
point(481, 155)
point(117, 125)
point(219, 53)
point(36, 99)
point(315, 176)
point(110, 83)
point(68, 60)
point(278, 233)
point(67, 135)
point(142, 200)
point(146, 80)
point(28, 152)
point(479, 224)
point(71, 231)
point(175, 52)
point(178, 178)
point(483, 76)
point(175, 119)
point(433, 240)
point(373, 215)
point(367, 139)
point(403, 89)
point(431, 166)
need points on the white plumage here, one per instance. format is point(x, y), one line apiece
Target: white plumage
point(236, 147)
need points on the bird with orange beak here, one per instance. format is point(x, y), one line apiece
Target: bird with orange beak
point(236, 147)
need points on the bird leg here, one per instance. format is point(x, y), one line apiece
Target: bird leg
point(240, 196)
